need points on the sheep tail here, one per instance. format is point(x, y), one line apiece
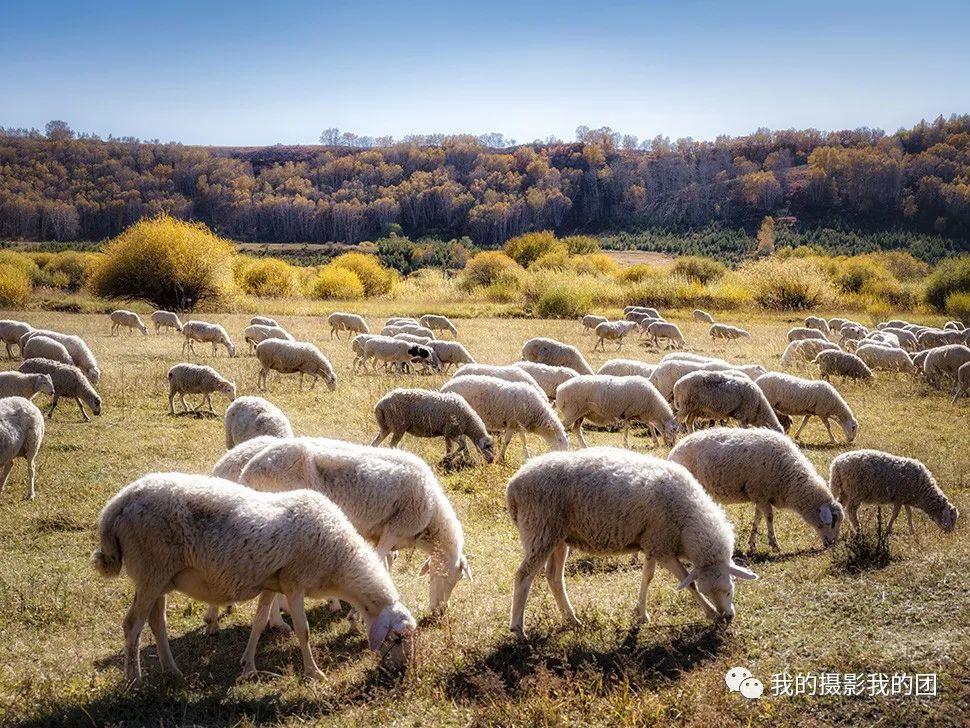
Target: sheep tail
point(107, 558)
point(512, 507)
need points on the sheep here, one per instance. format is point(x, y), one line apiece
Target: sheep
point(665, 330)
point(414, 339)
point(669, 372)
point(814, 322)
point(291, 357)
point(222, 542)
point(511, 407)
point(641, 319)
point(724, 331)
point(195, 379)
point(166, 320)
point(852, 332)
point(28, 386)
point(609, 500)
point(943, 362)
point(872, 476)
point(604, 399)
point(401, 321)
point(835, 325)
point(842, 363)
point(806, 350)
point(230, 465)
point(555, 353)
point(963, 382)
point(907, 340)
point(68, 381)
point(203, 331)
point(933, 338)
point(883, 338)
point(652, 312)
point(438, 323)
point(507, 372)
point(954, 326)
point(425, 413)
point(350, 322)
point(591, 321)
point(690, 356)
point(764, 468)
point(264, 321)
point(80, 352)
point(122, 319)
point(399, 354)
point(614, 331)
point(800, 332)
point(450, 353)
point(547, 377)
point(718, 395)
point(885, 358)
point(702, 316)
point(408, 328)
point(255, 334)
point(250, 417)
point(42, 347)
point(627, 368)
point(21, 435)
point(11, 332)
point(806, 398)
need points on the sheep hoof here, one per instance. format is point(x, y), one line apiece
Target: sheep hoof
point(518, 632)
point(212, 627)
point(248, 673)
point(314, 674)
point(640, 617)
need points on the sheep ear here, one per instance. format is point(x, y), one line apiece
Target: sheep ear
point(826, 515)
point(688, 580)
point(425, 567)
point(466, 569)
point(378, 630)
point(739, 572)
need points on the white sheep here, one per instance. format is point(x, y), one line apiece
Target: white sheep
point(703, 316)
point(835, 325)
point(438, 324)
point(398, 354)
point(186, 379)
point(814, 322)
point(205, 332)
point(954, 326)
point(799, 333)
point(764, 468)
point(627, 368)
point(264, 321)
point(719, 395)
point(942, 362)
point(130, 320)
point(68, 381)
point(604, 399)
point(357, 346)
point(806, 350)
point(401, 321)
point(350, 322)
point(613, 331)
point(963, 382)
point(906, 339)
point(511, 407)
point(652, 312)
point(841, 363)
point(555, 353)
point(250, 417)
point(591, 321)
point(938, 337)
point(725, 331)
point(507, 372)
point(666, 330)
point(292, 357)
point(871, 476)
point(414, 339)
point(230, 465)
point(255, 334)
point(690, 356)
point(807, 398)
point(28, 386)
point(21, 435)
point(166, 320)
point(412, 329)
point(886, 358)
point(449, 353)
point(609, 500)
point(222, 542)
point(666, 374)
point(80, 352)
point(11, 332)
point(642, 319)
point(547, 377)
point(42, 347)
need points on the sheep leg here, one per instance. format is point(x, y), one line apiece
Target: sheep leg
point(909, 517)
point(676, 568)
point(84, 414)
point(828, 427)
point(215, 349)
point(892, 519)
point(261, 379)
point(171, 402)
point(259, 624)
point(578, 429)
point(185, 405)
point(852, 513)
point(626, 433)
point(770, 520)
point(506, 439)
point(211, 619)
point(802, 427)
point(522, 584)
point(396, 439)
point(5, 474)
point(380, 437)
point(56, 397)
point(31, 492)
point(134, 622)
point(208, 401)
point(302, 627)
point(525, 444)
point(301, 381)
point(159, 625)
point(640, 611)
point(653, 435)
point(753, 538)
point(556, 576)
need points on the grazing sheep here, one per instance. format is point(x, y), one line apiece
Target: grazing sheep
point(42, 347)
point(414, 330)
point(511, 407)
point(222, 542)
point(607, 500)
point(68, 381)
point(450, 353)
point(883, 338)
point(954, 326)
point(350, 322)
point(438, 324)
point(21, 434)
point(852, 332)
point(942, 362)
point(835, 325)
point(665, 330)
point(357, 346)
point(627, 368)
point(186, 379)
point(11, 332)
point(507, 372)
point(80, 352)
point(690, 356)
point(591, 321)
point(613, 331)
point(251, 417)
point(652, 312)
point(292, 357)
point(604, 399)
point(963, 382)
point(264, 321)
point(886, 358)
point(414, 339)
point(547, 377)
point(641, 319)
point(806, 398)
point(719, 395)
point(122, 319)
point(871, 476)
point(669, 372)
point(906, 339)
point(702, 316)
point(814, 322)
point(843, 364)
point(919, 358)
point(257, 333)
point(401, 321)
point(933, 338)
point(166, 320)
point(724, 331)
point(764, 468)
point(28, 386)
point(230, 465)
point(799, 333)
point(806, 350)
point(213, 333)
point(556, 354)
point(398, 354)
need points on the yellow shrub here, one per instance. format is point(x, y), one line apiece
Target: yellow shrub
point(958, 306)
point(485, 268)
point(594, 263)
point(267, 278)
point(337, 282)
point(23, 263)
point(71, 268)
point(792, 284)
point(581, 244)
point(528, 248)
point(637, 273)
point(14, 285)
point(377, 280)
point(703, 270)
point(507, 285)
point(555, 259)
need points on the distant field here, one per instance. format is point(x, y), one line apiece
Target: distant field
point(627, 258)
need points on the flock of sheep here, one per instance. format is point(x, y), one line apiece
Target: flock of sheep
point(286, 518)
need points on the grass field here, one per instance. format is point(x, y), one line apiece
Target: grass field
point(60, 624)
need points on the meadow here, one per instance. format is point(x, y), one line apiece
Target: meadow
point(60, 623)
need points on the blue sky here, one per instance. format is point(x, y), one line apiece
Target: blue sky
point(265, 73)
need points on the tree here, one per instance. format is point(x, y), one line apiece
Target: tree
point(58, 130)
point(330, 137)
point(766, 237)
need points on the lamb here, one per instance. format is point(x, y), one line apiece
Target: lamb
point(843, 364)
point(28, 386)
point(42, 347)
point(764, 468)
point(613, 331)
point(871, 476)
point(808, 397)
point(399, 354)
point(257, 333)
point(669, 372)
point(80, 352)
point(425, 413)
point(943, 362)
point(222, 542)
point(885, 358)
point(21, 435)
point(122, 319)
point(547, 377)
point(11, 332)
point(627, 368)
point(665, 330)
point(203, 331)
point(264, 321)
point(556, 354)
point(507, 372)
point(195, 379)
point(511, 407)
point(166, 320)
point(800, 333)
point(591, 321)
point(450, 353)
point(719, 395)
point(68, 381)
point(724, 331)
point(963, 382)
point(350, 322)
point(609, 500)
point(603, 399)
point(231, 465)
point(291, 357)
point(702, 316)
point(251, 417)
point(438, 324)
point(814, 322)
point(806, 350)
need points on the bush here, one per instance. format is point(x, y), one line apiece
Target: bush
point(377, 280)
point(528, 248)
point(702, 270)
point(793, 284)
point(596, 263)
point(581, 244)
point(556, 259)
point(637, 273)
point(25, 265)
point(167, 262)
point(852, 275)
point(337, 282)
point(485, 268)
point(958, 306)
point(14, 285)
point(507, 286)
point(267, 278)
point(951, 276)
point(70, 269)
